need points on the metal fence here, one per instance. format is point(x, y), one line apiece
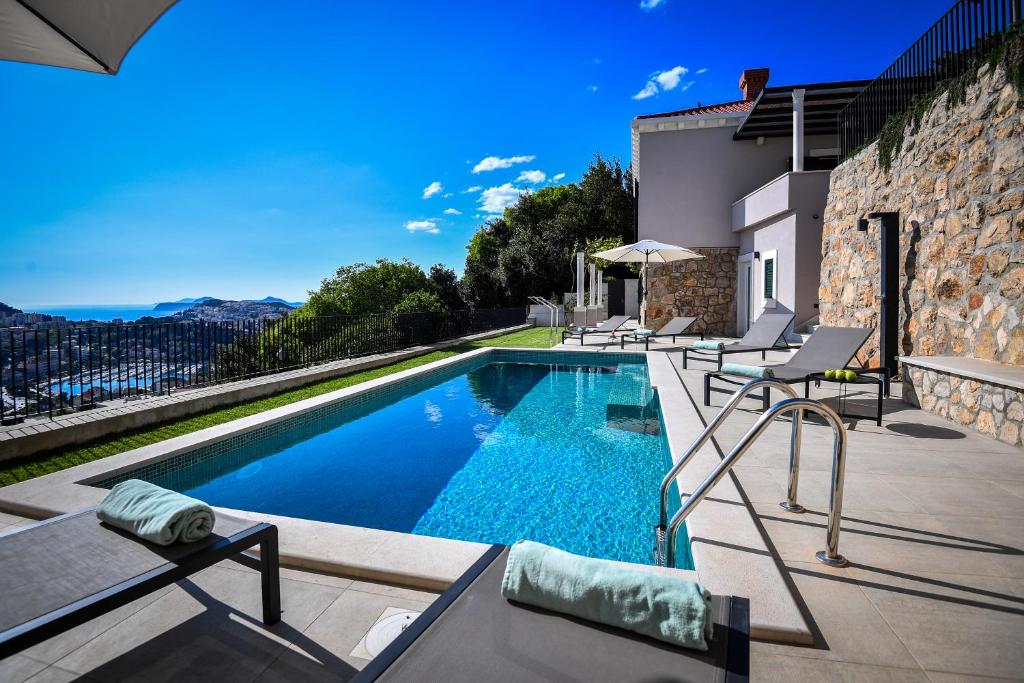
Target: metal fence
point(957, 42)
point(60, 370)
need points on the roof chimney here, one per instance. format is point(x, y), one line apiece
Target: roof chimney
point(752, 82)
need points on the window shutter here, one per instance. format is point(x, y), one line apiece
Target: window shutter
point(769, 278)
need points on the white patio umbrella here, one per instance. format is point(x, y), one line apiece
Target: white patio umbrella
point(89, 35)
point(647, 252)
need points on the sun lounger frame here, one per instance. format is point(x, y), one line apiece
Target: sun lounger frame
point(681, 332)
point(792, 373)
point(766, 321)
point(600, 329)
point(55, 622)
point(736, 631)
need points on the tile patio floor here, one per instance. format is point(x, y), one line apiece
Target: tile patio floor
point(933, 526)
point(934, 592)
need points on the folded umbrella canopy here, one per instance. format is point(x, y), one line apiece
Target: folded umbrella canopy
point(90, 35)
point(645, 252)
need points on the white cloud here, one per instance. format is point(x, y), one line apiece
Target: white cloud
point(592, 88)
point(668, 80)
point(664, 81)
point(446, 195)
point(494, 163)
point(452, 212)
point(686, 86)
point(531, 177)
point(427, 226)
point(557, 177)
point(701, 71)
point(470, 190)
point(648, 5)
point(649, 90)
point(497, 199)
point(432, 189)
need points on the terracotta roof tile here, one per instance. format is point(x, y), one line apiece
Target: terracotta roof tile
point(722, 108)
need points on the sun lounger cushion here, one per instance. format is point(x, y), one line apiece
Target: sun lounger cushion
point(708, 344)
point(654, 605)
point(755, 371)
point(156, 514)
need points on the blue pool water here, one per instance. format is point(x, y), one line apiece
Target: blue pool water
point(564, 454)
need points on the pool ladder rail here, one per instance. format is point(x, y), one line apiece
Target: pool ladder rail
point(667, 530)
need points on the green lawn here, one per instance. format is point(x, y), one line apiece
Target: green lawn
point(45, 463)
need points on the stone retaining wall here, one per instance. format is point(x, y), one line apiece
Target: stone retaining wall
point(991, 409)
point(704, 288)
point(958, 183)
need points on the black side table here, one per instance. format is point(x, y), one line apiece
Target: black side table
point(880, 381)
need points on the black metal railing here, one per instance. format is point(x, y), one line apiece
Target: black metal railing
point(53, 371)
point(957, 42)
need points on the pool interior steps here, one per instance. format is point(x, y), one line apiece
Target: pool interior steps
point(632, 403)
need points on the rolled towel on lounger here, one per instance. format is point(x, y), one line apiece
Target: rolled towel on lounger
point(655, 605)
point(156, 514)
point(708, 344)
point(755, 371)
point(643, 332)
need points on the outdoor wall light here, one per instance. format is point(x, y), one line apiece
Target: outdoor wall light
point(757, 256)
point(862, 225)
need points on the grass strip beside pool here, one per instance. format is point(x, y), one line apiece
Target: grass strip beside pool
point(13, 471)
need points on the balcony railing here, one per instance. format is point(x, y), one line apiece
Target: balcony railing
point(52, 371)
point(956, 43)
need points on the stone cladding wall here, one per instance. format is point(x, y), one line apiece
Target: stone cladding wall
point(988, 408)
point(704, 288)
point(958, 183)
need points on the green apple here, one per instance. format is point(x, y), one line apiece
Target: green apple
point(830, 374)
point(850, 376)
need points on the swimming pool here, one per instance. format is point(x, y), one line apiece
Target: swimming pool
point(564, 448)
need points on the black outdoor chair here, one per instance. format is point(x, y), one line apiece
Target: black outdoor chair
point(765, 334)
point(829, 348)
point(676, 327)
point(471, 633)
point(67, 570)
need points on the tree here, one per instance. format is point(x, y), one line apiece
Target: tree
point(422, 301)
point(530, 249)
point(480, 286)
point(364, 288)
point(444, 284)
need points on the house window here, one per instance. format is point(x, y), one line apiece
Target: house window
point(769, 278)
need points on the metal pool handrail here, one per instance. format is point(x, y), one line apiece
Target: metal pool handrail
point(830, 555)
point(794, 453)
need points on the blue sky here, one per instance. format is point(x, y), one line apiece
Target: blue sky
point(250, 148)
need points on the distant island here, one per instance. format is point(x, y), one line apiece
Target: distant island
point(201, 308)
point(184, 304)
point(219, 309)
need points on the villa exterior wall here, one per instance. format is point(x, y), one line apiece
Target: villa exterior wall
point(958, 183)
point(783, 218)
point(689, 180)
point(704, 288)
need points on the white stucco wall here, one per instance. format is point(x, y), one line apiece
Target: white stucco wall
point(786, 217)
point(689, 180)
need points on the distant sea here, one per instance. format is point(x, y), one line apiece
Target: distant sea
point(98, 312)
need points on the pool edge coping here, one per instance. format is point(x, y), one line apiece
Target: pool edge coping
point(729, 552)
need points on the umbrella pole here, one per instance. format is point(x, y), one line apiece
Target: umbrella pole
point(643, 310)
